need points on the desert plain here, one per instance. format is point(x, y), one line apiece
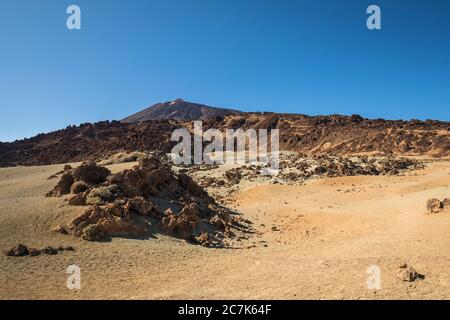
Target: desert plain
point(310, 240)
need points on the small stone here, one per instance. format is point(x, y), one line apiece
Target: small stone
point(50, 250)
point(18, 251)
point(434, 205)
point(407, 273)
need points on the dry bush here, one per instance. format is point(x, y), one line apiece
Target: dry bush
point(123, 157)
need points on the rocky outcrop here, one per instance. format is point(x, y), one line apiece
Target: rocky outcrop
point(151, 190)
point(79, 179)
point(99, 221)
point(296, 168)
point(88, 142)
point(183, 224)
point(21, 250)
point(330, 135)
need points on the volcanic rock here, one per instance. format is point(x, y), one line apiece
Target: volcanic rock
point(77, 200)
point(181, 225)
point(78, 187)
point(99, 221)
point(408, 273)
point(61, 229)
point(49, 250)
point(63, 186)
point(77, 180)
point(330, 135)
point(203, 239)
point(21, 250)
point(33, 252)
point(115, 202)
point(89, 172)
point(139, 205)
point(434, 205)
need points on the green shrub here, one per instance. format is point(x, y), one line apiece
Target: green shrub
point(102, 195)
point(92, 233)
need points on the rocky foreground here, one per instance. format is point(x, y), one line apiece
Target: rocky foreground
point(311, 238)
point(152, 194)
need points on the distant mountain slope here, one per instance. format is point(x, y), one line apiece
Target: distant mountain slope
point(178, 110)
point(331, 135)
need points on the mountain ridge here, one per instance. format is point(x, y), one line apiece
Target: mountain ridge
point(178, 110)
point(311, 135)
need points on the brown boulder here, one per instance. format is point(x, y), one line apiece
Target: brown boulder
point(18, 251)
point(408, 273)
point(21, 250)
point(203, 239)
point(90, 172)
point(181, 225)
point(79, 186)
point(446, 203)
point(50, 250)
point(63, 186)
point(114, 202)
point(96, 222)
point(77, 200)
point(219, 221)
point(139, 205)
point(434, 205)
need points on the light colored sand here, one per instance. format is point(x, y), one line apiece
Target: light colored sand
point(330, 232)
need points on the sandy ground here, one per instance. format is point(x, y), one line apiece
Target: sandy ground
point(313, 241)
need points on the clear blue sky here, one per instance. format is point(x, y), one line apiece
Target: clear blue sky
point(311, 57)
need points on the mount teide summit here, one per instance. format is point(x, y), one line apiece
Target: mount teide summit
point(179, 110)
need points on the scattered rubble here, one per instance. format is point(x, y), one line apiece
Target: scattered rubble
point(21, 250)
point(298, 168)
point(183, 224)
point(79, 179)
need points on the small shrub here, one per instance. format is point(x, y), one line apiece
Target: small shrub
point(122, 157)
point(92, 233)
